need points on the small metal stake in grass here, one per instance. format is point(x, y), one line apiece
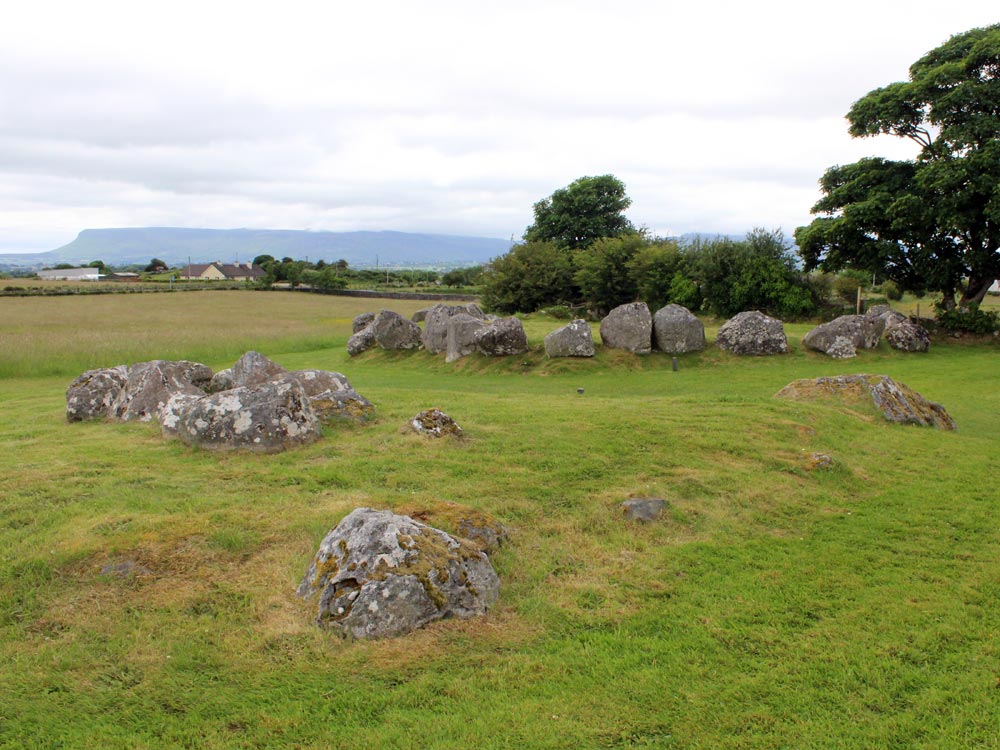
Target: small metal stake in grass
point(580, 391)
point(673, 363)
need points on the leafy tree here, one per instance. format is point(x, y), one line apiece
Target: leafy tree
point(604, 271)
point(263, 260)
point(531, 276)
point(155, 266)
point(757, 273)
point(586, 210)
point(933, 222)
point(661, 275)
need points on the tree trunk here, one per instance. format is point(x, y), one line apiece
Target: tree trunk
point(975, 292)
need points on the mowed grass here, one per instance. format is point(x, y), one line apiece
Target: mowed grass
point(147, 589)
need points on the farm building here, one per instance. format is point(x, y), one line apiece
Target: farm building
point(219, 271)
point(71, 274)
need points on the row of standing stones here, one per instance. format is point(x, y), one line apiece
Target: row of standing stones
point(460, 330)
point(378, 573)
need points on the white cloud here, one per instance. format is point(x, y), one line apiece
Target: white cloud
point(436, 116)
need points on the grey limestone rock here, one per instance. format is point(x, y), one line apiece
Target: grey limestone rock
point(332, 397)
point(361, 341)
point(222, 381)
point(628, 327)
point(266, 418)
point(361, 322)
point(572, 340)
point(254, 368)
point(435, 333)
point(907, 336)
point(841, 347)
point(392, 331)
point(461, 338)
point(677, 331)
point(644, 509)
point(435, 423)
point(502, 338)
point(895, 401)
point(378, 574)
point(92, 394)
point(151, 384)
point(861, 331)
point(752, 333)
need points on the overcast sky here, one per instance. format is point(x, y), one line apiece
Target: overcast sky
point(450, 117)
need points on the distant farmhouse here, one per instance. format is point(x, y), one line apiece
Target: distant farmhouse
point(219, 271)
point(71, 274)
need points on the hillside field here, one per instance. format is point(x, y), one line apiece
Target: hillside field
point(147, 589)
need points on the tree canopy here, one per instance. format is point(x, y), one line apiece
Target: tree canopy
point(586, 210)
point(932, 222)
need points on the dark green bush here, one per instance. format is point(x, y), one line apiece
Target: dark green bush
point(972, 320)
point(891, 290)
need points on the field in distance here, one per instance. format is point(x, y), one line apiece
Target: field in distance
point(774, 605)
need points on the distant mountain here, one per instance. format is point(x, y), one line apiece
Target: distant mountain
point(176, 245)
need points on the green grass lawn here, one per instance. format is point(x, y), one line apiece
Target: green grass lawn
point(772, 606)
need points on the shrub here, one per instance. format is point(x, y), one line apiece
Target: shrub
point(971, 320)
point(603, 271)
point(846, 287)
point(531, 276)
point(559, 312)
point(891, 290)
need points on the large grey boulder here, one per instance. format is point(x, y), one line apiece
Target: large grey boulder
point(435, 333)
point(222, 381)
point(677, 331)
point(907, 336)
point(461, 338)
point(361, 341)
point(752, 333)
point(393, 331)
point(894, 401)
point(92, 394)
point(378, 574)
point(502, 338)
point(862, 331)
point(572, 340)
point(151, 384)
point(265, 418)
point(628, 327)
point(254, 368)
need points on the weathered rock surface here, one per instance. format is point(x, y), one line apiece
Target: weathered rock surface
point(332, 397)
point(752, 333)
point(254, 368)
point(464, 522)
point(572, 340)
point(151, 384)
point(502, 338)
point(378, 574)
point(362, 321)
point(677, 331)
point(421, 315)
point(860, 331)
point(435, 423)
point(392, 331)
point(643, 509)
point(222, 381)
point(361, 341)
point(435, 334)
point(894, 401)
point(628, 327)
point(267, 418)
point(92, 394)
point(461, 338)
point(907, 336)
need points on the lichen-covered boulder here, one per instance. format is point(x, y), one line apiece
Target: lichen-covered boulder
point(862, 331)
point(894, 401)
point(907, 336)
point(378, 574)
point(265, 418)
point(92, 394)
point(362, 321)
point(752, 333)
point(361, 341)
point(254, 368)
point(574, 339)
point(435, 423)
point(332, 397)
point(151, 384)
point(628, 327)
point(435, 333)
point(502, 338)
point(421, 315)
point(174, 410)
point(841, 347)
point(676, 330)
point(392, 331)
point(461, 339)
point(222, 381)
